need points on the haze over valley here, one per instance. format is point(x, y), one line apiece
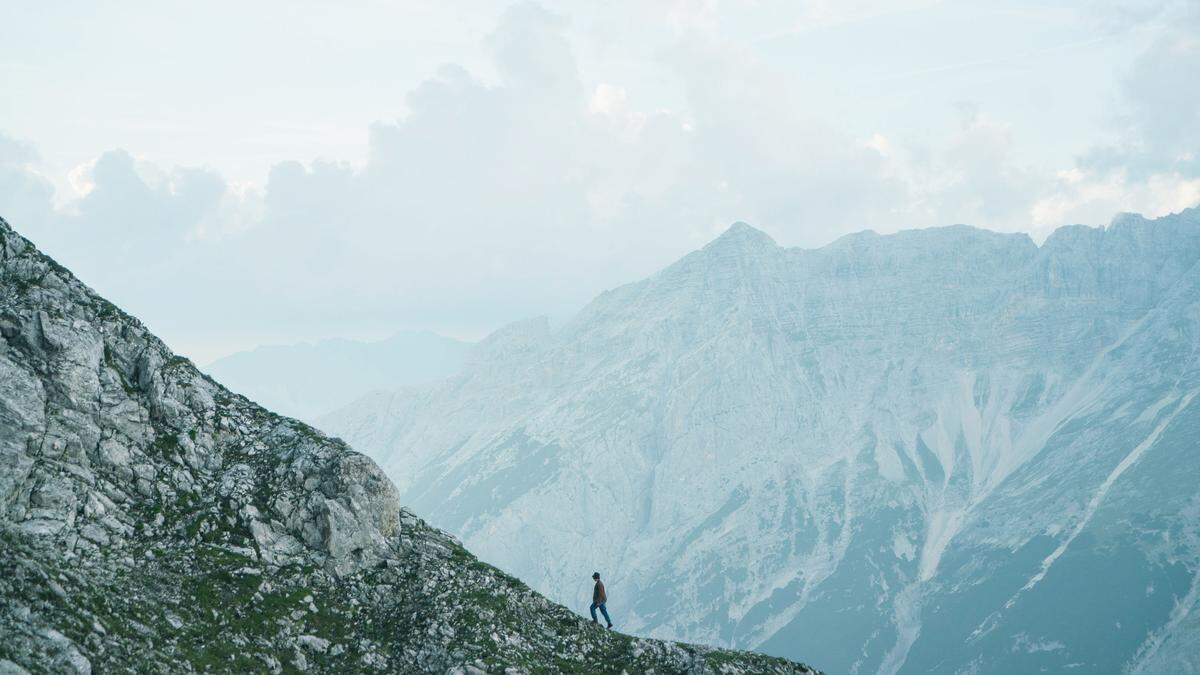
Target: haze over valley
point(509, 337)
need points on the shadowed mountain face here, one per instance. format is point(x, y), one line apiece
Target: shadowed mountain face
point(308, 380)
point(152, 521)
point(946, 450)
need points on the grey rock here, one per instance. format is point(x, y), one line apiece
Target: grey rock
point(314, 643)
point(139, 498)
point(9, 668)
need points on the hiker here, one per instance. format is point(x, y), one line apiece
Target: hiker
point(599, 597)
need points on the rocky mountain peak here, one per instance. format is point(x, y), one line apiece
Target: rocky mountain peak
point(744, 238)
point(152, 520)
point(913, 452)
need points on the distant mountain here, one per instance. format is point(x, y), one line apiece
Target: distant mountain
point(152, 521)
point(939, 451)
point(309, 379)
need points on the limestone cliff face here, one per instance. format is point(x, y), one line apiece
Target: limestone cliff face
point(152, 520)
point(922, 452)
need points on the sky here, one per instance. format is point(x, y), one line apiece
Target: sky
point(238, 174)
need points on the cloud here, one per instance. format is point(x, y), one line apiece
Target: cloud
point(24, 193)
point(1124, 15)
point(750, 152)
point(1082, 197)
point(134, 217)
point(166, 207)
point(1153, 166)
point(533, 55)
point(1158, 118)
point(528, 188)
point(984, 183)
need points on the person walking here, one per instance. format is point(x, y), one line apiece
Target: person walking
point(599, 598)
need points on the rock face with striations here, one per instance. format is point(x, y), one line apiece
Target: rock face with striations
point(150, 520)
point(938, 451)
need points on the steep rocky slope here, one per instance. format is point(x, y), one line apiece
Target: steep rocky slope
point(152, 521)
point(945, 450)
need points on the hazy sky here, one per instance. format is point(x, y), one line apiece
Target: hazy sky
point(239, 173)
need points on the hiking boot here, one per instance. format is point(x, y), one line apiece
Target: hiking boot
point(610, 626)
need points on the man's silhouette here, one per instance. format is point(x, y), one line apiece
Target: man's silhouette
point(599, 597)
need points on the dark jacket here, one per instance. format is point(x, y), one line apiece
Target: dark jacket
point(598, 595)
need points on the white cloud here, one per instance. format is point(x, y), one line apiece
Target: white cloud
point(80, 178)
point(1082, 197)
point(1158, 113)
point(529, 184)
point(24, 193)
point(1152, 168)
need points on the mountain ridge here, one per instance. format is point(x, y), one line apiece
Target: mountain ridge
point(804, 442)
point(152, 520)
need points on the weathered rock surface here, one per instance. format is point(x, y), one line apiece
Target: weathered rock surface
point(150, 520)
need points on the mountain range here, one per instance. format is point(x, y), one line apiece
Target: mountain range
point(153, 521)
point(938, 451)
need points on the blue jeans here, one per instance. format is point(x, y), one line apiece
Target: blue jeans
point(603, 611)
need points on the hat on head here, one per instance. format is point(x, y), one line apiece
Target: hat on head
point(595, 575)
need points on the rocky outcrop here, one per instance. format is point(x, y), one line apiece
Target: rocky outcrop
point(151, 520)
